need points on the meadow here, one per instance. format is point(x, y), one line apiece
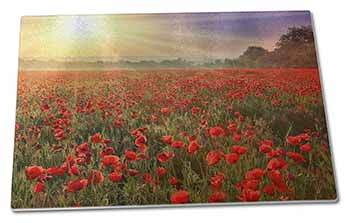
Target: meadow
point(145, 137)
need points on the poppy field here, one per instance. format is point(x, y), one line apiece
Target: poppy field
point(153, 137)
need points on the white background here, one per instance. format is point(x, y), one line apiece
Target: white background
point(331, 19)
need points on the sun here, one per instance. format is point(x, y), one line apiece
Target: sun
point(82, 26)
point(83, 36)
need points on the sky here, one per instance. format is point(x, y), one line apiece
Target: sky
point(192, 36)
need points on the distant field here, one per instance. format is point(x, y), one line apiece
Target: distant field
point(105, 138)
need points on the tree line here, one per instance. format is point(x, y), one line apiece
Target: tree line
point(294, 49)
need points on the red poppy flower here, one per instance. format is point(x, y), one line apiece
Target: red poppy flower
point(161, 171)
point(74, 170)
point(137, 132)
point(213, 157)
point(142, 148)
point(239, 149)
point(216, 131)
point(76, 185)
point(304, 136)
point(57, 171)
point(306, 147)
point(45, 108)
point(249, 195)
point(95, 177)
point(59, 134)
point(290, 176)
point(65, 166)
point(167, 139)
point(83, 148)
point(110, 160)
point(80, 160)
point(249, 133)
point(39, 187)
point(165, 111)
point(106, 141)
point(97, 138)
point(192, 138)
point(17, 126)
point(147, 178)
point(115, 176)
point(269, 190)
point(178, 144)
point(133, 172)
point(140, 140)
point(294, 140)
point(267, 142)
point(165, 156)
point(265, 148)
point(277, 152)
point(118, 123)
point(70, 159)
point(316, 134)
point(277, 164)
point(254, 174)
point(33, 172)
point(277, 179)
point(237, 137)
point(232, 127)
point(193, 147)
point(107, 151)
point(173, 181)
point(231, 158)
point(130, 155)
point(297, 157)
point(218, 196)
point(89, 105)
point(247, 184)
point(180, 197)
point(216, 181)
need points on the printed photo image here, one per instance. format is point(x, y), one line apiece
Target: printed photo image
point(180, 109)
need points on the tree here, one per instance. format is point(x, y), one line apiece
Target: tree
point(296, 48)
point(252, 56)
point(296, 36)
